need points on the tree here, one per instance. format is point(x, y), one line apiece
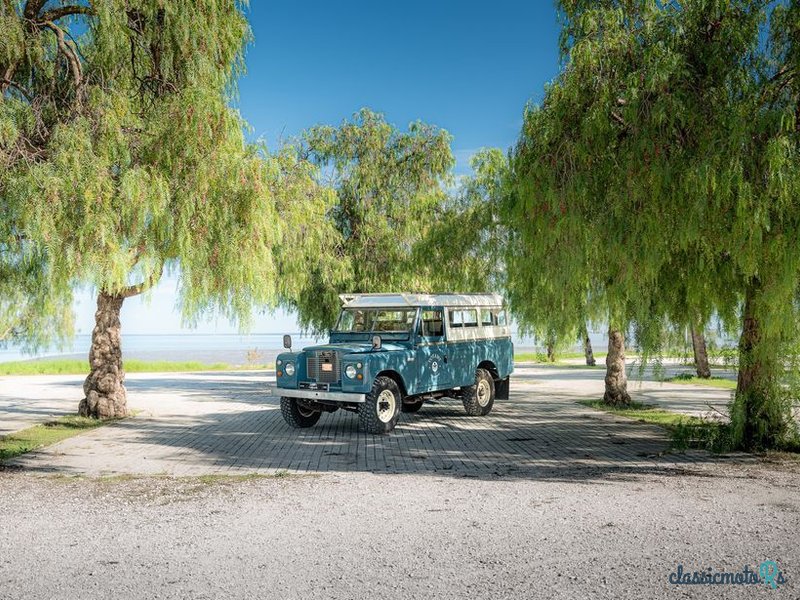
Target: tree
point(124, 159)
point(668, 146)
point(587, 346)
point(464, 248)
point(389, 186)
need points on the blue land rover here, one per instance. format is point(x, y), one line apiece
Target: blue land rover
point(392, 352)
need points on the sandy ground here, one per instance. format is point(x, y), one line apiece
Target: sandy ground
point(543, 498)
point(359, 535)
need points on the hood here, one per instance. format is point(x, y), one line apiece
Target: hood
point(354, 347)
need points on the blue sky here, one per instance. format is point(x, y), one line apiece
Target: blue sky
point(466, 66)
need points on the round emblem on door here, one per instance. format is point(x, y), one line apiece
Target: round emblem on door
point(434, 366)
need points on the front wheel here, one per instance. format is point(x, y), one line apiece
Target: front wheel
point(297, 415)
point(478, 398)
point(381, 409)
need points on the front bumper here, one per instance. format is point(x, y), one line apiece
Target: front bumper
point(318, 395)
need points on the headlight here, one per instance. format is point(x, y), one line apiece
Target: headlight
point(289, 368)
point(350, 371)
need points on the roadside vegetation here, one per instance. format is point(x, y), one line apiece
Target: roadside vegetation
point(560, 358)
point(70, 366)
point(685, 431)
point(45, 434)
point(716, 382)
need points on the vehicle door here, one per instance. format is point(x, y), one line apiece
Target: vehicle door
point(433, 369)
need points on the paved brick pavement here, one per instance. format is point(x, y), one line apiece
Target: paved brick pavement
point(224, 423)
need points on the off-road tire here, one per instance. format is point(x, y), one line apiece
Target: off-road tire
point(297, 416)
point(478, 398)
point(377, 402)
point(412, 408)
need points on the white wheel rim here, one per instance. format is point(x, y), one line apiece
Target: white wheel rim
point(483, 392)
point(386, 406)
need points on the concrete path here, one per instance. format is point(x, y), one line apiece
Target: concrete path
point(225, 423)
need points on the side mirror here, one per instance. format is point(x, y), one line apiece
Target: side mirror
point(376, 342)
point(287, 342)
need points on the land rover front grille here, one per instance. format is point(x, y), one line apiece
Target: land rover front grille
point(324, 366)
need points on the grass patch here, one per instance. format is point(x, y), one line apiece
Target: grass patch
point(685, 431)
point(645, 413)
point(210, 479)
point(38, 436)
point(541, 357)
point(222, 478)
point(74, 366)
point(716, 382)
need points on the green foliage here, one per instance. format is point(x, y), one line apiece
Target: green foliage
point(658, 181)
point(717, 382)
point(38, 436)
point(64, 366)
point(465, 248)
point(389, 186)
point(122, 157)
point(685, 432)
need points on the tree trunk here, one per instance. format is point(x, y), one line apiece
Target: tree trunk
point(757, 417)
point(700, 354)
point(587, 348)
point(551, 353)
point(616, 378)
point(105, 393)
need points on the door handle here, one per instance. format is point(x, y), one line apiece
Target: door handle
point(444, 358)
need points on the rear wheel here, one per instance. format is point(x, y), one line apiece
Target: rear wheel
point(478, 398)
point(298, 415)
point(381, 409)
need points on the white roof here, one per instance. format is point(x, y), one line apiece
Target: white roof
point(398, 300)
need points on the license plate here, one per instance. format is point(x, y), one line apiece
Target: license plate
point(327, 367)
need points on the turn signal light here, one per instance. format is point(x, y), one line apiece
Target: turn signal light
point(359, 376)
point(280, 373)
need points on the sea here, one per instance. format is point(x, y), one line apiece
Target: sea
point(233, 349)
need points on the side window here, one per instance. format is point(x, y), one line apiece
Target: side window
point(432, 323)
point(470, 317)
point(487, 318)
point(456, 318)
point(500, 315)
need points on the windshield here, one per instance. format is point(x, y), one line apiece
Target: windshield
point(384, 320)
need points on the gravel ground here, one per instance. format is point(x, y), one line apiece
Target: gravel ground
point(363, 535)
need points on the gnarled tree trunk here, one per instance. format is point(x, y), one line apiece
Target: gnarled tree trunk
point(104, 387)
point(616, 379)
point(587, 348)
point(757, 414)
point(550, 347)
point(700, 353)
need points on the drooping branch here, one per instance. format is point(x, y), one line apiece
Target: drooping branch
point(32, 8)
point(7, 76)
point(68, 51)
point(135, 290)
point(65, 11)
point(7, 83)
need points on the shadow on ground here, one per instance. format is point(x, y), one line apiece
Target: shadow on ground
point(539, 433)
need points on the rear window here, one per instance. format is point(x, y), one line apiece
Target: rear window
point(461, 317)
